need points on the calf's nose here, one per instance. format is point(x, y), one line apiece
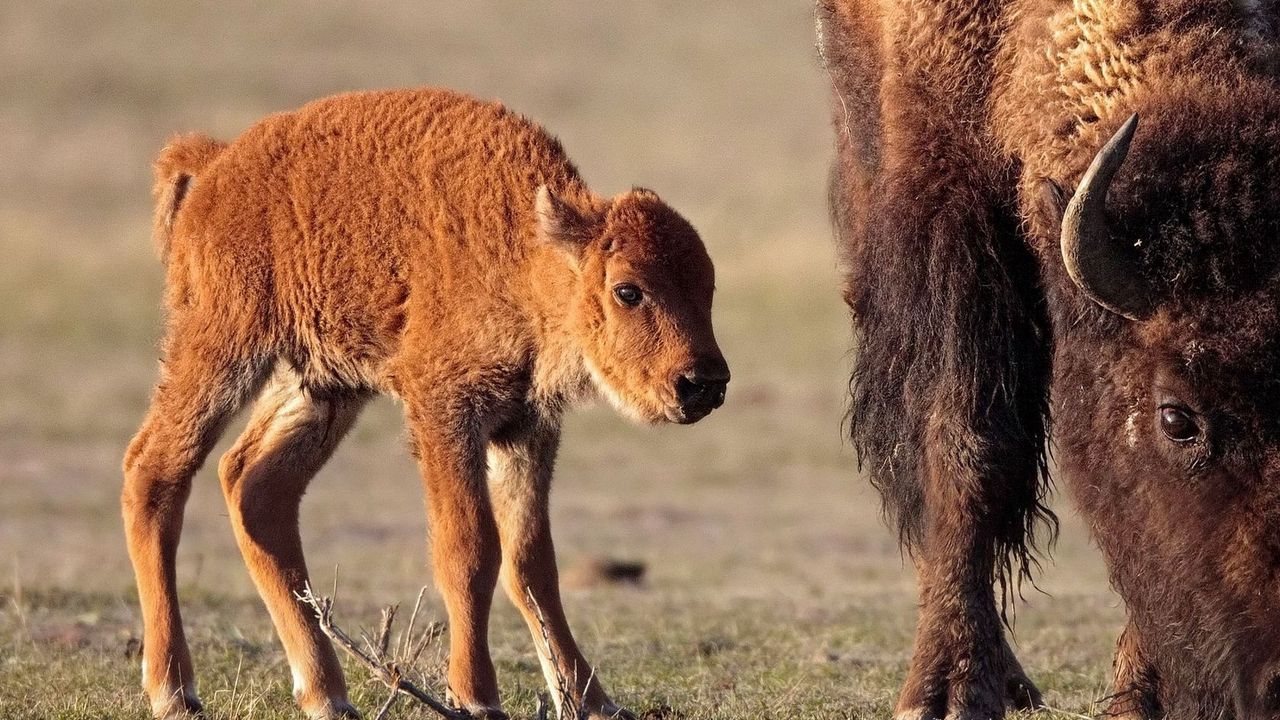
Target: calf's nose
point(693, 393)
point(711, 370)
point(703, 386)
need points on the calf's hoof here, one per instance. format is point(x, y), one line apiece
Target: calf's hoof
point(178, 705)
point(338, 709)
point(479, 711)
point(612, 712)
point(486, 713)
point(606, 710)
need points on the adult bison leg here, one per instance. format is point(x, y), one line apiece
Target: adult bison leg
point(950, 384)
point(292, 433)
point(520, 466)
point(949, 402)
point(962, 665)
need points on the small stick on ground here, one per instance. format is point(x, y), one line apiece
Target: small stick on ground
point(570, 708)
point(430, 634)
point(384, 630)
point(385, 711)
point(413, 618)
point(386, 670)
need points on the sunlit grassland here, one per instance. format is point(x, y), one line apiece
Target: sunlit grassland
point(773, 587)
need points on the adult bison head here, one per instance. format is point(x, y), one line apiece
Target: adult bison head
point(641, 308)
point(1167, 402)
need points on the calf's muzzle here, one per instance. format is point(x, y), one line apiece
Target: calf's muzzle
point(701, 388)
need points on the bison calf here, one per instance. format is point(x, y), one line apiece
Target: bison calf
point(438, 249)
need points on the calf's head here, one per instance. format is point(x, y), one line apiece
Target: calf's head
point(641, 305)
point(1167, 405)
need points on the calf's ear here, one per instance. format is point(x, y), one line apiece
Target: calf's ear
point(562, 224)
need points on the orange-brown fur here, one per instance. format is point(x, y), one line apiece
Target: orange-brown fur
point(435, 248)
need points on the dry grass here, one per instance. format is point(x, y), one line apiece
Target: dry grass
point(773, 589)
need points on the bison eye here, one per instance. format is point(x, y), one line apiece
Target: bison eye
point(1177, 424)
point(627, 294)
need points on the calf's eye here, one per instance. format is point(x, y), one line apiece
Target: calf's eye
point(1177, 424)
point(627, 294)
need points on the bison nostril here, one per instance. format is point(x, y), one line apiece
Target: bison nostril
point(687, 390)
point(692, 390)
point(717, 395)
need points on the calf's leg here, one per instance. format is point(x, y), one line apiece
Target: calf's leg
point(520, 468)
point(464, 549)
point(202, 385)
point(291, 434)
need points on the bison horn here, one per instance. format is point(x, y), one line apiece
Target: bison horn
point(1107, 271)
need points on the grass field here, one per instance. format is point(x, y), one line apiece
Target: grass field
point(773, 588)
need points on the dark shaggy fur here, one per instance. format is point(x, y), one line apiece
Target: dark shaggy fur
point(957, 121)
point(955, 331)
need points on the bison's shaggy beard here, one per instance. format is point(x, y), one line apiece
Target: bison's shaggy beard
point(951, 377)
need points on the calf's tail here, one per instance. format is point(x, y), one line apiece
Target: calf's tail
point(178, 164)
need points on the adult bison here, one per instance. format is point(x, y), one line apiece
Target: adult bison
point(1069, 210)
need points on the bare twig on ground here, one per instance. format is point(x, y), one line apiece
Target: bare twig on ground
point(378, 646)
point(386, 669)
point(407, 638)
point(385, 711)
point(570, 707)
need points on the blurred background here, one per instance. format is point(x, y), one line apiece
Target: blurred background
point(772, 584)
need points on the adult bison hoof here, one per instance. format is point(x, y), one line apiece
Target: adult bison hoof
point(980, 696)
point(1021, 693)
